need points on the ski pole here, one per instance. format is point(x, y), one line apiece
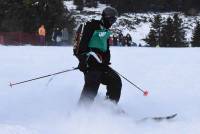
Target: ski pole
point(145, 92)
point(44, 76)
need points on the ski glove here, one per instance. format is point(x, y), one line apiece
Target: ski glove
point(90, 60)
point(83, 66)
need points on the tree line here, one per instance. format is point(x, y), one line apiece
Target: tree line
point(170, 32)
point(187, 6)
point(28, 15)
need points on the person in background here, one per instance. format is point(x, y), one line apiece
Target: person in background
point(128, 40)
point(57, 36)
point(65, 35)
point(42, 34)
point(115, 40)
point(121, 39)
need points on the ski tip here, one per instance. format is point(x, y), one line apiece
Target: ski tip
point(10, 85)
point(172, 116)
point(146, 93)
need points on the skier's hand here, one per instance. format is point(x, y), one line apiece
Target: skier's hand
point(95, 62)
point(94, 58)
point(88, 60)
point(82, 67)
point(104, 67)
point(83, 64)
point(91, 60)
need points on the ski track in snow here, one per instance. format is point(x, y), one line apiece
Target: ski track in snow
point(49, 106)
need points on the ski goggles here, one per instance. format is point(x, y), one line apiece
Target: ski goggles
point(111, 19)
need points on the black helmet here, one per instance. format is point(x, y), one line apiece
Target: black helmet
point(109, 12)
point(109, 16)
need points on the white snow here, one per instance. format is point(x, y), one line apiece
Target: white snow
point(70, 6)
point(49, 106)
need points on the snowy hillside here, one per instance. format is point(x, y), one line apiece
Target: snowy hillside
point(49, 106)
point(137, 24)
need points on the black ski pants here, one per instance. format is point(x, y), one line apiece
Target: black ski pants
point(94, 78)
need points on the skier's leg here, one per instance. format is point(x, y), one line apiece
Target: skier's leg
point(90, 89)
point(114, 85)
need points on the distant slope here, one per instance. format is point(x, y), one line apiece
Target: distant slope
point(137, 24)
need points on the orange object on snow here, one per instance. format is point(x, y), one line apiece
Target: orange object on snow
point(146, 93)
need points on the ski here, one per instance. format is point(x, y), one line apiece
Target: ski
point(159, 118)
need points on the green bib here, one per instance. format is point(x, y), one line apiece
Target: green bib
point(99, 39)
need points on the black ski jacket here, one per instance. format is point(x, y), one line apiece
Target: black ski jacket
point(88, 31)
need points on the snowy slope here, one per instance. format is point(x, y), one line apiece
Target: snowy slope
point(136, 24)
point(50, 107)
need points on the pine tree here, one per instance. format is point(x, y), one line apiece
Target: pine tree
point(157, 25)
point(79, 4)
point(11, 13)
point(167, 33)
point(153, 5)
point(155, 31)
point(196, 36)
point(151, 38)
point(28, 15)
point(90, 3)
point(179, 33)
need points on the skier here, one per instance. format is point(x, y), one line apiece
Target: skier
point(92, 50)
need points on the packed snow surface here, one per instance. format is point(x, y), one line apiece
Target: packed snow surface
point(49, 105)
